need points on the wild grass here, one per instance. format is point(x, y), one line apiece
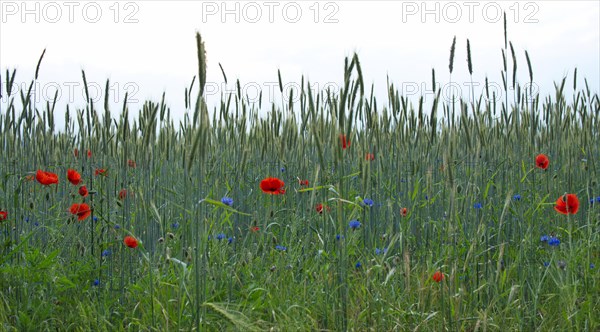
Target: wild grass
point(456, 168)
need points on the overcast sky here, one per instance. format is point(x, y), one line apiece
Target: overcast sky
point(148, 47)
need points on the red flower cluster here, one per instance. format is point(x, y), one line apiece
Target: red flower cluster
point(3, 215)
point(567, 204)
point(320, 208)
point(273, 186)
point(438, 276)
point(130, 241)
point(82, 211)
point(345, 142)
point(100, 171)
point(122, 194)
point(404, 212)
point(83, 191)
point(370, 157)
point(46, 178)
point(303, 182)
point(73, 177)
point(542, 161)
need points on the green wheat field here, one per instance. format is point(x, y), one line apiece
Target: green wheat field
point(337, 213)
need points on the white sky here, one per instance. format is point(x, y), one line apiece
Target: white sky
point(148, 47)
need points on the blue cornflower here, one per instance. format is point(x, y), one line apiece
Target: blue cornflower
point(280, 248)
point(230, 240)
point(95, 218)
point(517, 197)
point(227, 201)
point(282, 169)
point(477, 206)
point(380, 251)
point(544, 238)
point(339, 237)
point(553, 241)
point(117, 226)
point(106, 253)
point(368, 202)
point(36, 224)
point(26, 219)
point(358, 265)
point(598, 199)
point(175, 225)
point(426, 197)
point(96, 282)
point(546, 264)
point(592, 265)
point(221, 236)
point(354, 224)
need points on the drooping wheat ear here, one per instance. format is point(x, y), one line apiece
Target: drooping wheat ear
point(529, 67)
point(223, 72)
point(469, 63)
point(201, 62)
point(451, 66)
point(37, 68)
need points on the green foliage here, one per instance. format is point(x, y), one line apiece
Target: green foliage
point(204, 265)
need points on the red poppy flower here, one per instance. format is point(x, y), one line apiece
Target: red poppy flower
point(89, 153)
point(3, 215)
point(370, 157)
point(131, 163)
point(81, 210)
point(542, 161)
point(273, 186)
point(567, 204)
point(76, 153)
point(303, 182)
point(46, 178)
point(73, 176)
point(438, 276)
point(404, 212)
point(254, 229)
point(83, 191)
point(344, 141)
point(100, 171)
point(122, 194)
point(130, 241)
point(320, 208)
